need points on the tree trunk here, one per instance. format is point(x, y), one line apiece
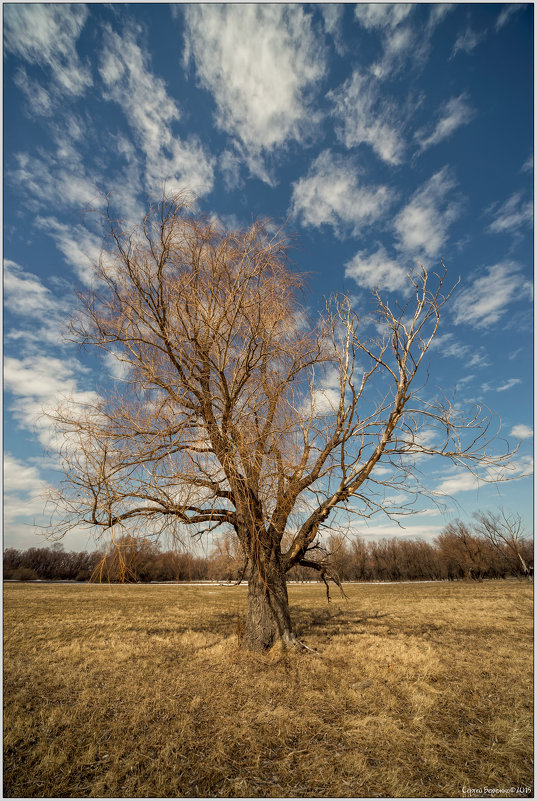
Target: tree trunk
point(268, 619)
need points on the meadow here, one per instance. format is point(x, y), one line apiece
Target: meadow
point(416, 690)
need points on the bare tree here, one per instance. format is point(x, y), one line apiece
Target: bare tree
point(239, 413)
point(506, 534)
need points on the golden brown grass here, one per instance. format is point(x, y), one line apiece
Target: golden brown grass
point(133, 691)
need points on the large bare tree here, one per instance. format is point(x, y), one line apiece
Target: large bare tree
point(236, 411)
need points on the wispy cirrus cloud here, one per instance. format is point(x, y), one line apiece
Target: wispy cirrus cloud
point(381, 16)
point(41, 313)
point(421, 230)
point(456, 480)
point(448, 346)
point(46, 35)
point(151, 113)
point(510, 216)
point(60, 178)
point(365, 117)
point(494, 387)
point(331, 194)
point(422, 225)
point(81, 247)
point(507, 12)
point(453, 114)
point(261, 63)
point(485, 300)
point(467, 41)
point(38, 382)
point(402, 42)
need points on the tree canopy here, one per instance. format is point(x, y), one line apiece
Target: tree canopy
point(238, 411)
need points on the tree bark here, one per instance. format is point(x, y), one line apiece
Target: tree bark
point(268, 619)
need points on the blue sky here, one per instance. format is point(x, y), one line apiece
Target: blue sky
point(383, 135)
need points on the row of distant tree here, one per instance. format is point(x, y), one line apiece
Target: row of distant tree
point(493, 547)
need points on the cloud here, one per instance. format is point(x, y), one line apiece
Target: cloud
point(61, 179)
point(27, 297)
point(466, 41)
point(486, 299)
point(377, 270)
point(39, 382)
point(522, 431)
point(528, 164)
point(381, 16)
point(115, 365)
point(465, 481)
point(331, 194)
point(422, 225)
point(507, 12)
point(512, 382)
point(151, 112)
point(46, 35)
point(260, 62)
point(332, 14)
point(23, 498)
point(421, 229)
point(450, 347)
point(511, 215)
point(40, 101)
point(454, 113)
point(81, 248)
point(365, 117)
point(401, 41)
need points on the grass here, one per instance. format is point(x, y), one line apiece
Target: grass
point(140, 691)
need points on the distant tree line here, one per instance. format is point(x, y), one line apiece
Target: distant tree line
point(493, 547)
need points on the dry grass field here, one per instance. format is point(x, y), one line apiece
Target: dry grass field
point(140, 691)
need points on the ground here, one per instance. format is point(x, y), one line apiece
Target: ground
point(416, 690)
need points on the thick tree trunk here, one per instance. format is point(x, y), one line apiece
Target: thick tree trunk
point(268, 619)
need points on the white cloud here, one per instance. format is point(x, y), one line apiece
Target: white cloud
point(466, 41)
point(331, 194)
point(259, 61)
point(230, 168)
point(484, 302)
point(453, 114)
point(463, 481)
point(382, 16)
point(509, 384)
point(507, 12)
point(448, 346)
point(24, 293)
point(46, 34)
point(332, 14)
point(115, 365)
point(422, 225)
point(61, 179)
point(21, 477)
point(366, 117)
point(401, 41)
point(522, 431)
point(40, 101)
point(377, 270)
point(528, 164)
point(40, 382)
point(42, 313)
point(151, 112)
point(81, 247)
point(23, 499)
point(511, 215)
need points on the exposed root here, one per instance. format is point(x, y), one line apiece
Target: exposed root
point(292, 640)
